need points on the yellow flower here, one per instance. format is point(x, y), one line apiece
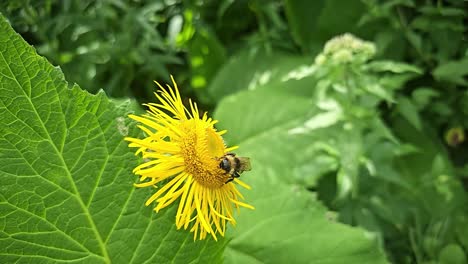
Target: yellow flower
point(183, 150)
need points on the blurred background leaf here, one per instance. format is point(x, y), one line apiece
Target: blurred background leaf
point(67, 191)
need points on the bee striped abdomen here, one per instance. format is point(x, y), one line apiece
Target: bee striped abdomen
point(238, 164)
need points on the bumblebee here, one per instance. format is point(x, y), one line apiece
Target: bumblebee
point(234, 165)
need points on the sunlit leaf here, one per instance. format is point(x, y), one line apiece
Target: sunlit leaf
point(67, 190)
point(288, 224)
point(252, 68)
point(391, 66)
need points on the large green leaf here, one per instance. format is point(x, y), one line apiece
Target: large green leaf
point(66, 192)
point(289, 225)
point(251, 68)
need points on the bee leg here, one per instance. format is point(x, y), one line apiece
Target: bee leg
point(236, 175)
point(229, 180)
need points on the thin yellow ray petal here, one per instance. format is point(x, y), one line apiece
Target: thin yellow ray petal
point(161, 170)
point(226, 205)
point(147, 131)
point(176, 89)
point(196, 112)
point(230, 149)
point(173, 100)
point(193, 111)
point(160, 86)
point(210, 198)
point(195, 231)
point(189, 206)
point(200, 214)
point(171, 195)
point(180, 211)
point(206, 118)
point(233, 190)
point(155, 146)
point(216, 215)
point(146, 121)
point(243, 204)
point(146, 164)
point(176, 92)
point(145, 184)
point(166, 104)
point(243, 184)
point(163, 156)
point(163, 189)
point(168, 200)
point(164, 172)
point(166, 121)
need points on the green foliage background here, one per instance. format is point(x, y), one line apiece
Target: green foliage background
point(357, 157)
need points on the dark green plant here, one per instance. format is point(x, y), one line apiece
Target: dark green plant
point(432, 35)
point(381, 144)
point(117, 46)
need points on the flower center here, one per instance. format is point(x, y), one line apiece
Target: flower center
point(202, 147)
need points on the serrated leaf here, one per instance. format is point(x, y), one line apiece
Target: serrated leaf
point(288, 225)
point(67, 190)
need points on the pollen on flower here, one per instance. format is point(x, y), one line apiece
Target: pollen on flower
point(201, 150)
point(184, 150)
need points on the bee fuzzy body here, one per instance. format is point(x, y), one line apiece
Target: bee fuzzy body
point(234, 165)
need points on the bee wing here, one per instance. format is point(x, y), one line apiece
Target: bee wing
point(245, 163)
